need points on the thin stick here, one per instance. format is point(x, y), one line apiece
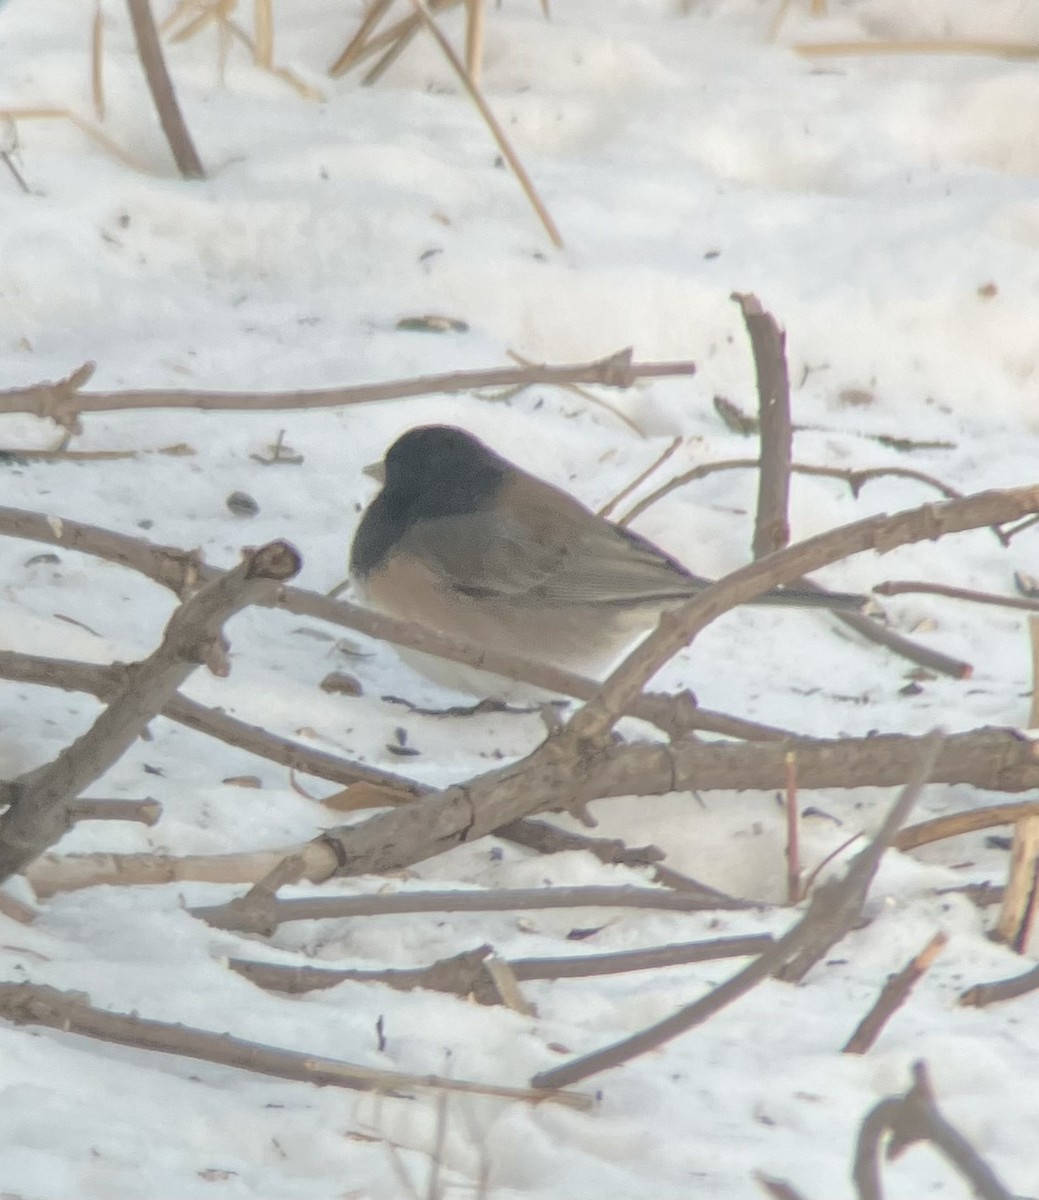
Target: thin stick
point(36, 1004)
point(1019, 898)
point(491, 121)
point(640, 479)
point(968, 821)
point(318, 908)
point(873, 631)
point(584, 393)
point(1013, 50)
point(457, 976)
point(263, 25)
point(149, 50)
point(372, 16)
point(475, 21)
point(902, 587)
point(91, 131)
point(97, 62)
point(893, 995)
point(379, 68)
point(768, 343)
point(793, 857)
point(982, 994)
point(1033, 641)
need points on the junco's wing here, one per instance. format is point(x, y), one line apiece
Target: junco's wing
point(558, 557)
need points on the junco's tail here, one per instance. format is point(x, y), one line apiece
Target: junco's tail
point(798, 598)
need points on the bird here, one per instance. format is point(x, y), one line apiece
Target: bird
point(463, 541)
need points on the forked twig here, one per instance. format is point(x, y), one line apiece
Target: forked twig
point(37, 813)
point(900, 1121)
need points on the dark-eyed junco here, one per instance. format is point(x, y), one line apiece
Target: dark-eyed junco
point(463, 541)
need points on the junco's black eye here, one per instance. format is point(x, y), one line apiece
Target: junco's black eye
point(466, 542)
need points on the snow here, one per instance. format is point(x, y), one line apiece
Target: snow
point(884, 208)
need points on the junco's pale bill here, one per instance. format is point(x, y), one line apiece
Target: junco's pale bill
point(465, 542)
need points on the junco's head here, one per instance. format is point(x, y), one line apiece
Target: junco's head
point(463, 541)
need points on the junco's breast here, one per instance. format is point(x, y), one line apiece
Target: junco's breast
point(582, 638)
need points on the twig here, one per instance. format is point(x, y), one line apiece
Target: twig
point(38, 812)
point(830, 912)
point(400, 32)
point(548, 839)
point(902, 1120)
point(793, 857)
point(463, 974)
point(578, 390)
point(510, 156)
point(149, 50)
point(36, 1004)
point(372, 16)
point(64, 401)
point(475, 21)
point(264, 30)
point(1012, 50)
point(982, 994)
point(768, 342)
point(268, 915)
point(873, 631)
point(97, 52)
point(53, 873)
point(1018, 908)
point(893, 995)
point(968, 821)
point(901, 587)
point(1033, 642)
point(145, 812)
point(640, 479)
point(47, 113)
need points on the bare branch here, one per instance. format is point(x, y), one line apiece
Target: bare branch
point(830, 912)
point(768, 342)
point(903, 587)
point(263, 918)
point(38, 814)
point(463, 974)
point(914, 1117)
point(1001, 989)
point(36, 1004)
point(63, 402)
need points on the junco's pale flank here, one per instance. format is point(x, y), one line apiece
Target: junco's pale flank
point(462, 541)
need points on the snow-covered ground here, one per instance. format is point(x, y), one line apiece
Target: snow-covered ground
point(885, 208)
